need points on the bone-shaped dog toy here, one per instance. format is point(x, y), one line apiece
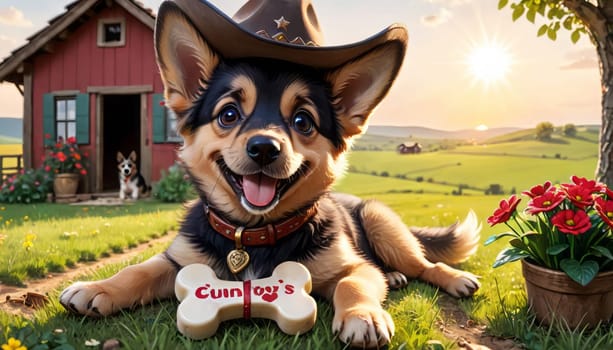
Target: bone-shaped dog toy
point(206, 301)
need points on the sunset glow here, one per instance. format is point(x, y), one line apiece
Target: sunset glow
point(481, 127)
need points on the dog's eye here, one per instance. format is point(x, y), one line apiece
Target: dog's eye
point(303, 123)
point(228, 117)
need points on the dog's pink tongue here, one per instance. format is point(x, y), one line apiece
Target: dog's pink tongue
point(259, 189)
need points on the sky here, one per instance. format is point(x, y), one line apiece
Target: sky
point(454, 75)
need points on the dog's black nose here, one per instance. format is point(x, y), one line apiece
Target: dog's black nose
point(263, 150)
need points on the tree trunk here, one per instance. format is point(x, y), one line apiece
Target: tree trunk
point(604, 170)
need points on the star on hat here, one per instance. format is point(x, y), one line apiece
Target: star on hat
point(282, 23)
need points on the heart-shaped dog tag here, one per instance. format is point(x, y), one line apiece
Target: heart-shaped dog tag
point(237, 260)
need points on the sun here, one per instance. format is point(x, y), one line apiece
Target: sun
point(489, 63)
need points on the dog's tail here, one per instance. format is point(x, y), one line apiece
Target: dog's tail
point(452, 244)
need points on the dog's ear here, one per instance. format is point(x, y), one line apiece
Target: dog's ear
point(120, 157)
point(133, 156)
point(359, 85)
point(186, 61)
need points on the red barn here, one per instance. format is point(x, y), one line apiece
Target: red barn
point(91, 73)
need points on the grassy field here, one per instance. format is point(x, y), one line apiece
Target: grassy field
point(417, 309)
point(42, 238)
point(481, 166)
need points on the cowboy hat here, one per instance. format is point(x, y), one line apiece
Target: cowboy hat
point(283, 30)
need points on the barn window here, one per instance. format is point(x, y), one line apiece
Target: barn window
point(171, 127)
point(164, 122)
point(65, 114)
point(111, 32)
point(65, 117)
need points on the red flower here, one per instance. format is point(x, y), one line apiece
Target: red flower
point(545, 202)
point(579, 195)
point(608, 193)
point(61, 156)
point(76, 156)
point(12, 188)
point(78, 166)
point(539, 190)
point(505, 210)
point(572, 222)
point(71, 140)
point(83, 172)
point(605, 210)
point(47, 136)
point(47, 168)
point(588, 185)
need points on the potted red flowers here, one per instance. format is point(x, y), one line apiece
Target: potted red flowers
point(66, 162)
point(565, 242)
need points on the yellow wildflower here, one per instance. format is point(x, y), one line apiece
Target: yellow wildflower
point(13, 344)
point(26, 218)
point(27, 244)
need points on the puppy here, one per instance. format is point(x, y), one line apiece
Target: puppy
point(264, 141)
point(131, 182)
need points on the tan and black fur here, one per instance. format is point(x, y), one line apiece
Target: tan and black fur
point(289, 125)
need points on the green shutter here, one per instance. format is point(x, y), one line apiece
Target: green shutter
point(83, 119)
point(159, 118)
point(48, 119)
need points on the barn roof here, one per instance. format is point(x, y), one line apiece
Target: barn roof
point(59, 29)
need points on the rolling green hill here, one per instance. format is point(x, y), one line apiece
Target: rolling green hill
point(515, 165)
point(6, 140)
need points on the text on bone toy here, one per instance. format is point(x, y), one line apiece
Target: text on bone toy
point(266, 293)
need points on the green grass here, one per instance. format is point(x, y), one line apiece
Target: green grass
point(500, 304)
point(42, 238)
point(476, 170)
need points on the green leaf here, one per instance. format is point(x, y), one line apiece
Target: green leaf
point(509, 255)
point(517, 12)
point(551, 33)
point(568, 23)
point(603, 251)
point(557, 248)
point(493, 238)
point(502, 3)
point(582, 273)
point(575, 36)
point(531, 14)
point(518, 243)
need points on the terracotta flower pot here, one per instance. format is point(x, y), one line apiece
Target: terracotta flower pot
point(553, 295)
point(65, 185)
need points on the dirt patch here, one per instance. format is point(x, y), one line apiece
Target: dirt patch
point(467, 333)
point(14, 300)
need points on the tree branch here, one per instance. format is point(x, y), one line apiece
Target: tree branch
point(591, 15)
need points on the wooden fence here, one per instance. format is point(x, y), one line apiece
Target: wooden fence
point(10, 164)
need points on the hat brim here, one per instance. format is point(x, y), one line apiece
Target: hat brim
point(229, 40)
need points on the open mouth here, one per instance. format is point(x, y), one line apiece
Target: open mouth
point(259, 191)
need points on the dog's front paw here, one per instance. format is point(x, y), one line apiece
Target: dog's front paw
point(463, 285)
point(88, 298)
point(364, 327)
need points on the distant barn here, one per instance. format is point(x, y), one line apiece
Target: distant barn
point(404, 149)
point(91, 73)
